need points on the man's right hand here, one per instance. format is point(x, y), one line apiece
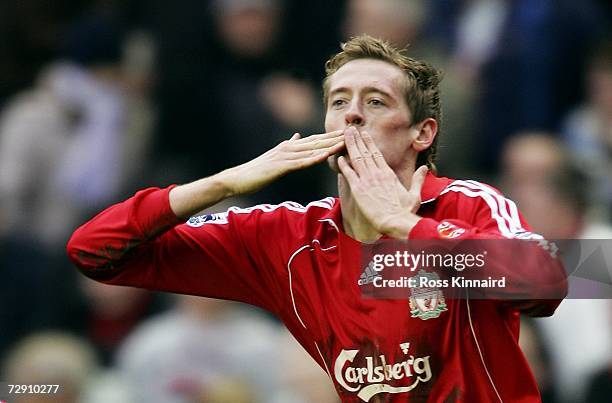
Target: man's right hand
point(290, 155)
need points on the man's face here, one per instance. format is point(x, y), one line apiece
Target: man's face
point(368, 94)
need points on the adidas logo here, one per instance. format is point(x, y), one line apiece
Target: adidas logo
point(368, 275)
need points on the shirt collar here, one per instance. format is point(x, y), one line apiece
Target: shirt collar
point(432, 187)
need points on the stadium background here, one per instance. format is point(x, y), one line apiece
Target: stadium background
point(99, 98)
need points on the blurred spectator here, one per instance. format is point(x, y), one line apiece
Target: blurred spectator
point(249, 28)
point(50, 358)
point(201, 123)
point(257, 102)
point(587, 130)
point(108, 314)
point(70, 143)
point(302, 379)
point(511, 52)
point(30, 32)
point(529, 161)
point(553, 196)
point(553, 193)
point(397, 21)
point(67, 146)
point(203, 349)
point(107, 386)
point(74, 109)
point(531, 156)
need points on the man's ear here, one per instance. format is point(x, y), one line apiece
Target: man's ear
point(426, 133)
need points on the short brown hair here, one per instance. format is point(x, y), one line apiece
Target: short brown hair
point(422, 80)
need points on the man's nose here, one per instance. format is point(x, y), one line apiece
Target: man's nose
point(354, 115)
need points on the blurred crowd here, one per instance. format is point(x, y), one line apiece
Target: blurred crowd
point(99, 98)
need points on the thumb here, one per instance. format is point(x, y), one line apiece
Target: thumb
point(418, 178)
point(296, 136)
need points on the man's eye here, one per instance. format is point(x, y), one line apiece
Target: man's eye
point(376, 102)
point(338, 102)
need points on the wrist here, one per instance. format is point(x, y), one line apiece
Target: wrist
point(399, 226)
point(226, 182)
point(192, 198)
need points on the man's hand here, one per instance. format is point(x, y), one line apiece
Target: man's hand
point(381, 197)
point(290, 155)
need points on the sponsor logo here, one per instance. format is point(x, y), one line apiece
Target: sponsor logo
point(369, 274)
point(426, 302)
point(373, 379)
point(448, 230)
point(198, 221)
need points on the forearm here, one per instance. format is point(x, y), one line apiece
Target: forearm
point(290, 155)
point(399, 227)
point(186, 200)
point(101, 246)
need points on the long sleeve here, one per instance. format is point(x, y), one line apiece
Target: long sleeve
point(140, 242)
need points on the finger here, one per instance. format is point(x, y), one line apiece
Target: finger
point(365, 152)
point(348, 172)
point(377, 156)
point(307, 153)
point(296, 136)
point(418, 178)
point(321, 136)
point(353, 150)
point(313, 159)
point(317, 144)
point(337, 148)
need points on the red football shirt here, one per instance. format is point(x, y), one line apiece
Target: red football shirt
point(298, 263)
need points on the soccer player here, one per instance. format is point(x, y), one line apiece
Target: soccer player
point(302, 263)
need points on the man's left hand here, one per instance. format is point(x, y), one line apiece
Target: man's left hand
point(378, 192)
